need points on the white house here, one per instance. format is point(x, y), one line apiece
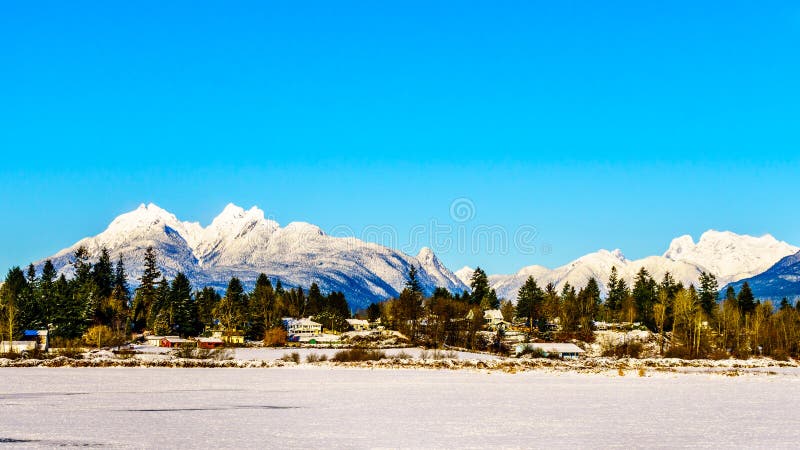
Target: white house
point(493, 318)
point(153, 340)
point(358, 324)
point(560, 349)
point(304, 326)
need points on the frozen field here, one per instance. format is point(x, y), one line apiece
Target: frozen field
point(322, 407)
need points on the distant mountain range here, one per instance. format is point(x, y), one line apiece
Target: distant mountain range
point(779, 281)
point(730, 257)
point(242, 243)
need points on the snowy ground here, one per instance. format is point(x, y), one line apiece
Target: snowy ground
point(268, 354)
point(309, 406)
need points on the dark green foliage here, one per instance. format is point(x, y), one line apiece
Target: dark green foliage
point(262, 308)
point(412, 283)
point(145, 296)
point(709, 291)
point(617, 291)
point(373, 312)
point(644, 296)
point(207, 301)
point(481, 293)
point(746, 300)
point(530, 302)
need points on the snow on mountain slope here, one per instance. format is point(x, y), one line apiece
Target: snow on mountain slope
point(727, 255)
point(465, 274)
point(779, 281)
point(244, 244)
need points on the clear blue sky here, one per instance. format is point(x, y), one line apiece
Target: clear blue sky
point(602, 124)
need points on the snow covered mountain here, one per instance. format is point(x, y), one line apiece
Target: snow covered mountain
point(243, 243)
point(729, 256)
point(780, 280)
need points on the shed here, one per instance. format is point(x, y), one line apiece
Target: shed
point(209, 342)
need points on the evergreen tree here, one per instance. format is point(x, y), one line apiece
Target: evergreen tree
point(262, 307)
point(337, 303)
point(83, 290)
point(709, 291)
point(46, 292)
point(181, 306)
point(315, 302)
point(530, 302)
point(230, 310)
point(480, 286)
point(145, 295)
point(68, 316)
point(30, 313)
point(412, 283)
point(103, 274)
point(730, 296)
point(490, 301)
point(746, 300)
point(373, 312)
point(644, 296)
point(617, 291)
point(207, 301)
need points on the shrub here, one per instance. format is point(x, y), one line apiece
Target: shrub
point(533, 352)
point(275, 337)
point(313, 357)
point(779, 355)
point(358, 354)
point(291, 357)
point(102, 336)
point(402, 355)
point(438, 354)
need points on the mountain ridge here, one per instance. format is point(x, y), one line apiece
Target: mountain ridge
point(243, 243)
point(727, 255)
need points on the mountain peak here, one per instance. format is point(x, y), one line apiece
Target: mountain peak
point(426, 254)
point(233, 212)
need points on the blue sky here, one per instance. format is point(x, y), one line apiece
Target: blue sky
point(602, 126)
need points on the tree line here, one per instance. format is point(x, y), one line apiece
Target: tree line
point(98, 295)
point(690, 321)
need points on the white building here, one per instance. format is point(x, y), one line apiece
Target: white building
point(358, 324)
point(304, 326)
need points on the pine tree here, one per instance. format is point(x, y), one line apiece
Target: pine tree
point(746, 300)
point(83, 290)
point(530, 302)
point(617, 290)
point(230, 310)
point(46, 292)
point(315, 301)
point(262, 307)
point(145, 295)
point(730, 296)
point(480, 286)
point(30, 313)
point(207, 301)
point(709, 291)
point(644, 295)
point(181, 306)
point(412, 283)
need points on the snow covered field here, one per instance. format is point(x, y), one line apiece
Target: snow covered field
point(309, 406)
